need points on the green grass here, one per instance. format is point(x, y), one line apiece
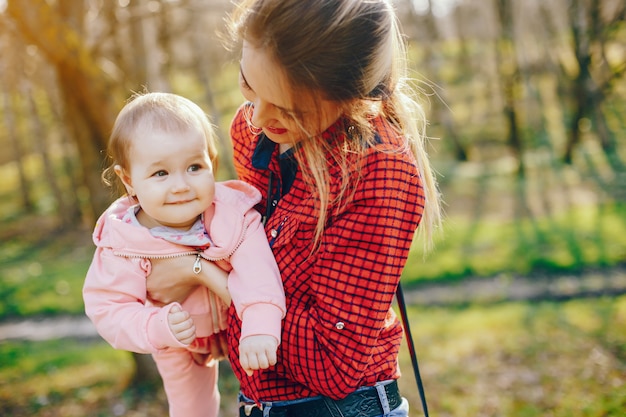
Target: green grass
point(45, 276)
point(59, 375)
point(509, 359)
point(68, 378)
point(564, 359)
point(577, 238)
point(522, 359)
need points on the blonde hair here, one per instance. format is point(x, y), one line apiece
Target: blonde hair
point(161, 111)
point(350, 52)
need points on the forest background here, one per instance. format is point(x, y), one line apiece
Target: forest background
point(526, 101)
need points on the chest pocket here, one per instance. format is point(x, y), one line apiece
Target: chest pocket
point(291, 229)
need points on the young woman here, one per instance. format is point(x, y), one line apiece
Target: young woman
point(333, 139)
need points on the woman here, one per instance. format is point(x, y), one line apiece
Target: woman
point(331, 138)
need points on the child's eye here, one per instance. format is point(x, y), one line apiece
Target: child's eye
point(194, 167)
point(160, 173)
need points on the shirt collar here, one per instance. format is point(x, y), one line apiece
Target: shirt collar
point(263, 152)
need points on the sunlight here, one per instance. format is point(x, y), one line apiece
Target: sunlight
point(440, 7)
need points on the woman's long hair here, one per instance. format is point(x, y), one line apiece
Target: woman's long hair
point(351, 52)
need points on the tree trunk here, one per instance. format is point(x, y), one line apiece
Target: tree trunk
point(583, 58)
point(440, 107)
point(203, 69)
point(509, 73)
point(88, 99)
point(41, 146)
point(146, 377)
point(18, 157)
point(68, 155)
point(87, 95)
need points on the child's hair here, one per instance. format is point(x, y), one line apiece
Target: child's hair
point(351, 52)
point(165, 112)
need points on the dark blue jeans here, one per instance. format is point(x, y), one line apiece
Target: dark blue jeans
point(401, 411)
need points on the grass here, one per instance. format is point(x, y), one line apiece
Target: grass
point(43, 275)
point(36, 376)
point(574, 239)
point(76, 378)
point(522, 359)
point(561, 359)
point(44, 278)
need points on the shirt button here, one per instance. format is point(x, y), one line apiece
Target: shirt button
point(274, 233)
point(340, 325)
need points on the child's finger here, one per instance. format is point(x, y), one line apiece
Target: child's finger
point(246, 365)
point(272, 358)
point(176, 317)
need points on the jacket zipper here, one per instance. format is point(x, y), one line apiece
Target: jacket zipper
point(197, 265)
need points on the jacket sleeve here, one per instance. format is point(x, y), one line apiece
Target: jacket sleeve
point(115, 300)
point(254, 282)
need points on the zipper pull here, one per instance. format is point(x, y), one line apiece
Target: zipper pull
point(197, 265)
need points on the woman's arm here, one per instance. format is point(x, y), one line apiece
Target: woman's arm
point(336, 336)
point(173, 279)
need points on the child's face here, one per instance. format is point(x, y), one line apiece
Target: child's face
point(171, 175)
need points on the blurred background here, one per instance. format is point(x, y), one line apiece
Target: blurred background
point(520, 309)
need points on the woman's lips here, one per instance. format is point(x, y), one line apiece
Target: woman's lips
point(276, 130)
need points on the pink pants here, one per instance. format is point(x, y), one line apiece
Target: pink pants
point(191, 388)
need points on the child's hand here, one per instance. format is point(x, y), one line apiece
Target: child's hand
point(181, 325)
point(257, 352)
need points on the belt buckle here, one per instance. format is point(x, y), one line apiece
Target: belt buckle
point(247, 407)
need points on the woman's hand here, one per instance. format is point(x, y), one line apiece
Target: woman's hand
point(173, 279)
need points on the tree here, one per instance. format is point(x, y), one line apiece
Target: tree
point(588, 30)
point(87, 97)
point(87, 93)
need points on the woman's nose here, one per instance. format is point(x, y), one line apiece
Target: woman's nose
point(260, 113)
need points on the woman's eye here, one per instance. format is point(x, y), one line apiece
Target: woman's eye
point(243, 83)
point(286, 114)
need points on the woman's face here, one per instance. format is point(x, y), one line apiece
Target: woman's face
point(263, 83)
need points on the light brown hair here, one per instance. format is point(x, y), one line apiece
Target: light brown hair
point(351, 52)
point(161, 111)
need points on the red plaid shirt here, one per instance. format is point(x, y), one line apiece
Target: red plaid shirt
point(339, 332)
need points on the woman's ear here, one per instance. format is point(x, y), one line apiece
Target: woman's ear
point(125, 178)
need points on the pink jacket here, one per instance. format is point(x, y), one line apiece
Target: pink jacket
point(115, 287)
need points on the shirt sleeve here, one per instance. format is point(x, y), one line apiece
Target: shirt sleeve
point(354, 279)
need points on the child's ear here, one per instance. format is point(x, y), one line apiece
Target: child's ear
point(125, 178)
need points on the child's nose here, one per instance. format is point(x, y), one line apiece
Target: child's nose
point(180, 185)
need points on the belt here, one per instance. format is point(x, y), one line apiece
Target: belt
point(362, 403)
